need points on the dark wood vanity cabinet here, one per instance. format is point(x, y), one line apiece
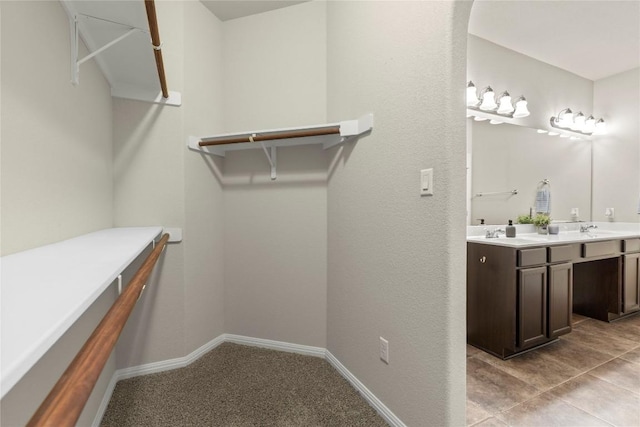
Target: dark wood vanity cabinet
point(631, 276)
point(516, 298)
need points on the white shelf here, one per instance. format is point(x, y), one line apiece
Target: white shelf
point(45, 290)
point(285, 137)
point(128, 63)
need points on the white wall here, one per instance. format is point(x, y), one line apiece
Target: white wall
point(56, 138)
point(616, 156)
point(276, 231)
point(56, 172)
point(158, 181)
point(204, 214)
point(395, 263)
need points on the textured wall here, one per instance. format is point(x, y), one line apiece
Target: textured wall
point(276, 231)
point(203, 233)
point(56, 137)
point(394, 263)
point(616, 156)
point(149, 190)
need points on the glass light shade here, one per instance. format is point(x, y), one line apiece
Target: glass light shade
point(521, 109)
point(488, 100)
point(472, 95)
point(589, 125)
point(565, 118)
point(578, 122)
point(601, 127)
point(505, 105)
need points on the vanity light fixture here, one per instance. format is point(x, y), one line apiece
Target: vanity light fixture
point(486, 102)
point(568, 121)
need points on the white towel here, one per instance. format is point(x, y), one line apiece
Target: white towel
point(543, 200)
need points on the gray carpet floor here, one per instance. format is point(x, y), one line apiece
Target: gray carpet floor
point(235, 385)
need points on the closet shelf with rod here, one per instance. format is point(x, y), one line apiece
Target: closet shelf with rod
point(46, 289)
point(328, 135)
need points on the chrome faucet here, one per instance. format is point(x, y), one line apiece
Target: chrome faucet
point(584, 228)
point(492, 234)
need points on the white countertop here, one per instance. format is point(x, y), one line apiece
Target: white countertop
point(568, 234)
point(45, 290)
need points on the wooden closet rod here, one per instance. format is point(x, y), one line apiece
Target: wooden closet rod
point(155, 40)
point(270, 137)
point(67, 398)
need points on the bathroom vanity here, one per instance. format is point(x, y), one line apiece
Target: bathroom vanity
point(522, 291)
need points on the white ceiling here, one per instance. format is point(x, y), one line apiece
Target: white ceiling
point(232, 9)
point(590, 38)
point(593, 39)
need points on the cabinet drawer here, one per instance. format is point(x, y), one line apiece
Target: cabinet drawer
point(560, 253)
point(527, 257)
point(599, 248)
point(631, 245)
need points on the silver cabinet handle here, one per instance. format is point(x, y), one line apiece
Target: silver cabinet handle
point(483, 259)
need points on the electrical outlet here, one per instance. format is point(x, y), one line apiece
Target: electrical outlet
point(384, 350)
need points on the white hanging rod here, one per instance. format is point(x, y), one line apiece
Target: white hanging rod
point(497, 193)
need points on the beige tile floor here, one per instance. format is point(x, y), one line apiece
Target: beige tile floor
point(590, 377)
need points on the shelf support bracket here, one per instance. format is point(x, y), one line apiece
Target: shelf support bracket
point(75, 62)
point(271, 157)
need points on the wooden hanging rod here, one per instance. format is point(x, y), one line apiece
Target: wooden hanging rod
point(155, 40)
point(67, 398)
point(272, 136)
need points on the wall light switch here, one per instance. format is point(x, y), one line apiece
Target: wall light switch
point(426, 182)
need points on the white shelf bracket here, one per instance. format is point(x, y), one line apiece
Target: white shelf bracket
point(75, 62)
point(119, 284)
point(270, 157)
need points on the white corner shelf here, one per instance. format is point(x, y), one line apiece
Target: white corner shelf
point(46, 289)
point(328, 135)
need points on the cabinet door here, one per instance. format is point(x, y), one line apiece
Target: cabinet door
point(532, 306)
point(560, 299)
point(631, 283)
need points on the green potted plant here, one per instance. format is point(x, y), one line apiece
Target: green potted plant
point(541, 221)
point(524, 219)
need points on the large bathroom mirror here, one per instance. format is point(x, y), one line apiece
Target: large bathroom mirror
point(510, 163)
point(513, 46)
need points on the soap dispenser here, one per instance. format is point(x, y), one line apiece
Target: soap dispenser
point(510, 230)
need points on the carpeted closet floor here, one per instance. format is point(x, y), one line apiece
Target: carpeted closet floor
point(235, 385)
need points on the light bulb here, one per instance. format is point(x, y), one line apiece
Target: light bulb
point(565, 118)
point(589, 125)
point(521, 108)
point(578, 122)
point(505, 104)
point(472, 95)
point(488, 100)
point(601, 127)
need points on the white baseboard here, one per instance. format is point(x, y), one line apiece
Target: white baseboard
point(276, 345)
point(375, 403)
point(306, 350)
